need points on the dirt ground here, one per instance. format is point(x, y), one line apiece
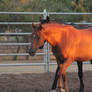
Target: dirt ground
point(40, 82)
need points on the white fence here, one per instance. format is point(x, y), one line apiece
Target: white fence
point(46, 61)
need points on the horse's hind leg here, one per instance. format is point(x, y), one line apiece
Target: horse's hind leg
point(80, 74)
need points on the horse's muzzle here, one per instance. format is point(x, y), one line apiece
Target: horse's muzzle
point(31, 53)
point(41, 47)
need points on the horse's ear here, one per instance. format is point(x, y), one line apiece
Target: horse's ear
point(40, 26)
point(48, 19)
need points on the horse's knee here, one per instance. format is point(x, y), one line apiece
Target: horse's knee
point(63, 72)
point(81, 90)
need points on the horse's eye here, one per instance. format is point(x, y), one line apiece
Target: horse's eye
point(38, 37)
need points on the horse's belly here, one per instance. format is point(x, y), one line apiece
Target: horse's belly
point(82, 59)
point(84, 54)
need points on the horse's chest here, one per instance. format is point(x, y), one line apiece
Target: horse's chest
point(56, 50)
point(57, 53)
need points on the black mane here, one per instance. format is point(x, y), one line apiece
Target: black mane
point(43, 21)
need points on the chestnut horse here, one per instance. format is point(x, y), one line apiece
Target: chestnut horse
point(80, 70)
point(68, 45)
point(79, 64)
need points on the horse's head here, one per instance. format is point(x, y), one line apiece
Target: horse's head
point(37, 39)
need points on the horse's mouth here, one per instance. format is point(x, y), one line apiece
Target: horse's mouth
point(41, 47)
point(31, 53)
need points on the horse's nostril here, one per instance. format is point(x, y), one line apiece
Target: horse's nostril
point(31, 53)
point(41, 47)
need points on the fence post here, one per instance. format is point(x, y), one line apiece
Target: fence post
point(45, 14)
point(48, 56)
point(45, 57)
point(45, 45)
point(46, 48)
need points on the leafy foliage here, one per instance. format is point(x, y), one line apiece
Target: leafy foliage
point(49, 5)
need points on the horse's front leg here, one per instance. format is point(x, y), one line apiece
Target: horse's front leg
point(80, 74)
point(67, 63)
point(57, 79)
point(54, 85)
point(60, 83)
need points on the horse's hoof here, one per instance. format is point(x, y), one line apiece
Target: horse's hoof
point(53, 91)
point(62, 90)
point(81, 90)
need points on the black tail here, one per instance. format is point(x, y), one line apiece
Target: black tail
point(90, 61)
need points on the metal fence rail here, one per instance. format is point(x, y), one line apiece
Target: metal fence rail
point(68, 13)
point(23, 64)
point(14, 34)
point(29, 23)
point(44, 12)
point(15, 44)
point(23, 13)
point(18, 23)
point(20, 54)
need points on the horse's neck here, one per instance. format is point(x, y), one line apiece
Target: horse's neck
point(57, 33)
point(53, 36)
